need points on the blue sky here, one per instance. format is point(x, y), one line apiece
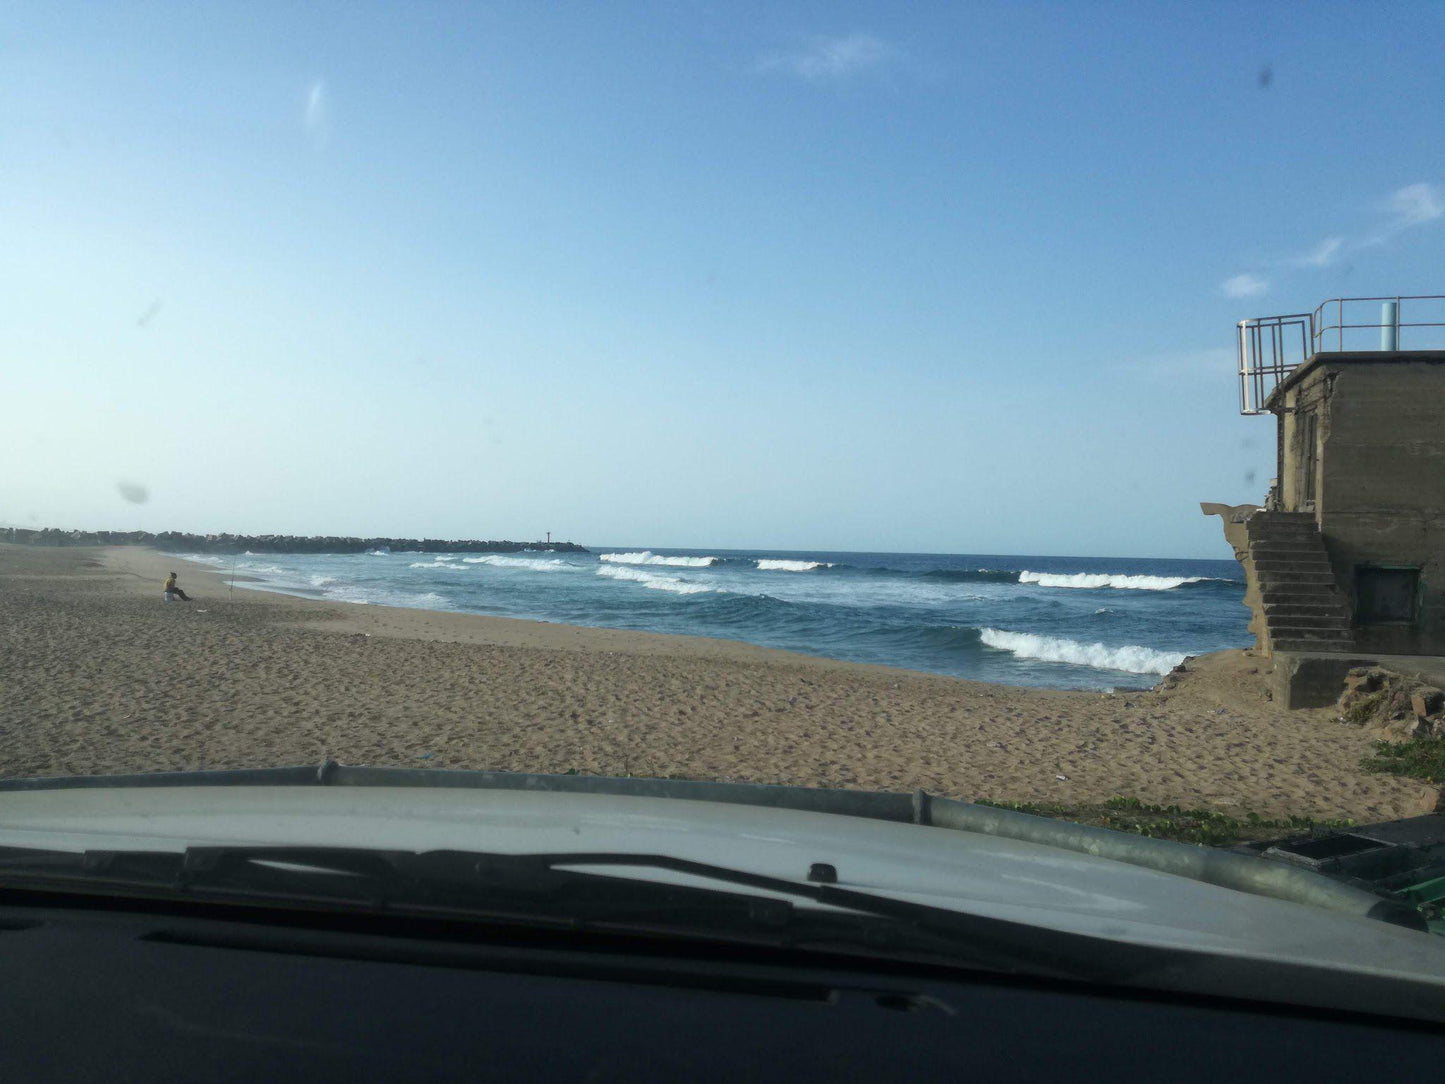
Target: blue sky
point(953, 278)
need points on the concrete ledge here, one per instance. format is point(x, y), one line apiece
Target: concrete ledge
point(1311, 679)
point(1315, 679)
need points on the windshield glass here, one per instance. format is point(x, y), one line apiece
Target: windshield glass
point(821, 397)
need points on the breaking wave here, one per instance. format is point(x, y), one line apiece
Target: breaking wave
point(647, 557)
point(1130, 659)
point(770, 564)
point(652, 580)
point(1107, 579)
point(387, 596)
point(968, 575)
point(445, 566)
point(199, 558)
point(536, 564)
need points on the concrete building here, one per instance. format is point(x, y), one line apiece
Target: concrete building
point(1345, 562)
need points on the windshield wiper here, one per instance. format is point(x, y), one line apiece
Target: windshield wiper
point(547, 889)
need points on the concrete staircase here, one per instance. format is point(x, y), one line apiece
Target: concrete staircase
point(1304, 608)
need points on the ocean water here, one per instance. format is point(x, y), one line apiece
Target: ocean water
point(1060, 622)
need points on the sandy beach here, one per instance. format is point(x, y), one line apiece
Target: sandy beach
point(98, 675)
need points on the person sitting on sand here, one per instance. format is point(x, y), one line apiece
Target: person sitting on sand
point(173, 592)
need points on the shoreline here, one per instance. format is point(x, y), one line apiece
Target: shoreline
point(101, 676)
point(1144, 667)
point(454, 626)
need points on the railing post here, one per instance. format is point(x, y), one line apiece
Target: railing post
point(1390, 325)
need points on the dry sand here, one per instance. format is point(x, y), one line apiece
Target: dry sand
point(98, 675)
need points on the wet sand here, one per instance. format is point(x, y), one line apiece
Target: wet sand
point(98, 675)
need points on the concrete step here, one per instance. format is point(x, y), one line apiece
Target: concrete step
point(1309, 643)
point(1287, 602)
point(1290, 537)
point(1288, 627)
point(1313, 608)
point(1282, 530)
point(1283, 577)
point(1342, 646)
point(1289, 545)
point(1270, 588)
point(1298, 562)
point(1259, 525)
point(1305, 621)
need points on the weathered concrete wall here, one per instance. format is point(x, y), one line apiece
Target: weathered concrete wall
point(1379, 492)
point(1297, 449)
point(1237, 535)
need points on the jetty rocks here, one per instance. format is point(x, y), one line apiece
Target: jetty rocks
point(273, 543)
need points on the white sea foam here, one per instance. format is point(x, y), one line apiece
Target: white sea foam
point(652, 580)
point(443, 565)
point(1132, 659)
point(446, 557)
point(1107, 579)
point(378, 553)
point(535, 564)
point(769, 564)
point(249, 566)
point(388, 596)
point(322, 581)
point(199, 558)
point(647, 557)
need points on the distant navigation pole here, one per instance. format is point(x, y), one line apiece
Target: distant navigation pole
point(549, 538)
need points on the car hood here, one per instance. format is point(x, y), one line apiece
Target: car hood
point(964, 871)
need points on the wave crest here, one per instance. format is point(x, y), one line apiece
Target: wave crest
point(1089, 580)
point(535, 564)
point(647, 557)
point(968, 575)
point(652, 580)
point(772, 564)
point(1130, 658)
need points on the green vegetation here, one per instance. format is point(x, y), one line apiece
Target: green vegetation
point(1417, 759)
point(1367, 707)
point(1201, 826)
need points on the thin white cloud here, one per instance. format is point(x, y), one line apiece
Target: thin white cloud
point(316, 117)
point(1322, 255)
point(824, 59)
point(1413, 205)
point(1416, 204)
point(1244, 286)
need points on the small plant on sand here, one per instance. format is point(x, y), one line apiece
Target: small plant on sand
point(1416, 759)
point(1363, 710)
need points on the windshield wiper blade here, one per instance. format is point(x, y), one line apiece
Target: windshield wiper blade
point(546, 888)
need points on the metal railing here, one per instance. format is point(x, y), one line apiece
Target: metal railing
point(1351, 314)
point(1272, 347)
